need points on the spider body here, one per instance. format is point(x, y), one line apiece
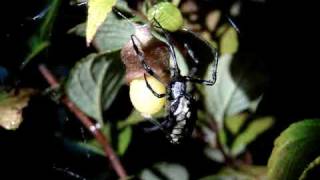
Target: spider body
point(181, 112)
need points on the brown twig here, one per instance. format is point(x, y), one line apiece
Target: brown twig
point(95, 131)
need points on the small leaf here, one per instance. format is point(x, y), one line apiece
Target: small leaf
point(124, 139)
point(234, 123)
point(94, 83)
point(294, 149)
point(214, 154)
point(36, 50)
point(254, 129)
point(97, 13)
point(134, 118)
point(229, 41)
point(11, 106)
point(213, 19)
point(169, 171)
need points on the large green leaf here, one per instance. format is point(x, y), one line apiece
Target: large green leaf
point(294, 149)
point(94, 83)
point(97, 13)
point(235, 90)
point(254, 129)
point(225, 98)
point(111, 36)
point(165, 171)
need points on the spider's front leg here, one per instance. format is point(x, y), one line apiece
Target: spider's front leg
point(141, 57)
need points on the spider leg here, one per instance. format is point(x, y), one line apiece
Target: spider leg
point(171, 47)
point(158, 126)
point(150, 88)
point(141, 57)
point(195, 60)
point(206, 82)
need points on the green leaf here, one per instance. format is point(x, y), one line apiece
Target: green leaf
point(134, 118)
point(294, 149)
point(229, 40)
point(113, 34)
point(169, 171)
point(97, 13)
point(313, 165)
point(92, 146)
point(41, 39)
point(225, 98)
point(124, 139)
point(239, 86)
point(234, 123)
point(244, 172)
point(254, 129)
point(36, 49)
point(214, 154)
point(94, 83)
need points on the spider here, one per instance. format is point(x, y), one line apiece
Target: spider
point(181, 106)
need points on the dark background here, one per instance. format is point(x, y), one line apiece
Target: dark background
point(282, 35)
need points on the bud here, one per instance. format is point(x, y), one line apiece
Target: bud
point(156, 55)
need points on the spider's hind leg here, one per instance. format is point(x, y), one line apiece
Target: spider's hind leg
point(202, 81)
point(158, 126)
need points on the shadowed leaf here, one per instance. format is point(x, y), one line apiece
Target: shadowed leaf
point(124, 139)
point(165, 171)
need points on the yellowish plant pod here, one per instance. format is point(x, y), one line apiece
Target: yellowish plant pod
point(143, 99)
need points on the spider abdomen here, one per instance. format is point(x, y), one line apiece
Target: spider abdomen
point(183, 116)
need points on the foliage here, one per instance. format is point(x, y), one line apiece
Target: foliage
point(228, 125)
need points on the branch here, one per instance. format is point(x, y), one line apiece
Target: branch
point(85, 120)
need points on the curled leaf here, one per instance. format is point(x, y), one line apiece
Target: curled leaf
point(11, 106)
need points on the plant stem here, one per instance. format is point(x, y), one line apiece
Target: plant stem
point(214, 127)
point(86, 121)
